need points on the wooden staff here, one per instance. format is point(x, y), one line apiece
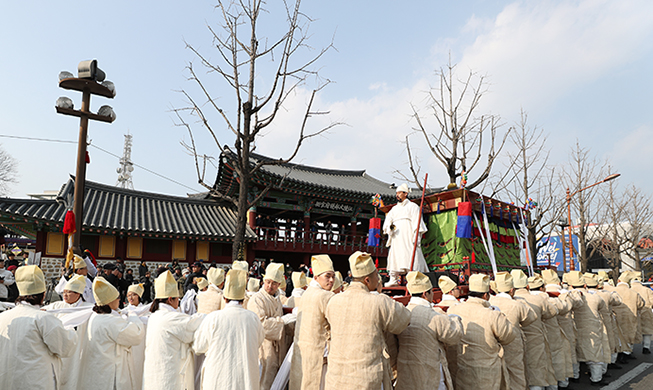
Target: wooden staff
point(421, 206)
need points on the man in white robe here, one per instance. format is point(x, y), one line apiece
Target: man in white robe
point(32, 341)
point(401, 225)
point(81, 267)
point(230, 338)
point(300, 284)
point(6, 279)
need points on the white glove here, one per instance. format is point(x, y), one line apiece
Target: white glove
point(288, 318)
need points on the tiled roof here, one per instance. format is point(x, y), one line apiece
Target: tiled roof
point(118, 210)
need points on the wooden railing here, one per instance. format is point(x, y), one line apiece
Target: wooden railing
point(296, 241)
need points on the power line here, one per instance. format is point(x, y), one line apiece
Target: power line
point(99, 148)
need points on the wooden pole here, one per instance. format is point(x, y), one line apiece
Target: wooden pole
point(421, 206)
point(80, 176)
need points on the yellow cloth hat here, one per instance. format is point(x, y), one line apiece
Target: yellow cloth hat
point(493, 286)
point(30, 280)
point(519, 278)
point(603, 276)
point(635, 276)
point(79, 262)
point(535, 281)
point(321, 264)
point(215, 276)
point(418, 282)
point(446, 284)
point(241, 265)
point(165, 286)
point(299, 280)
point(283, 284)
point(253, 285)
point(235, 284)
point(361, 264)
point(591, 279)
point(337, 281)
point(76, 283)
point(202, 283)
point(550, 276)
point(137, 289)
point(274, 272)
point(104, 292)
point(504, 282)
point(625, 277)
point(575, 279)
point(479, 283)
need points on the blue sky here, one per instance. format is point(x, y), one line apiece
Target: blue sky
point(580, 69)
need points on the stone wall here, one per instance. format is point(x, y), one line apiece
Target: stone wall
point(51, 266)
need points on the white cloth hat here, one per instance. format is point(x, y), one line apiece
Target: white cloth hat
point(165, 286)
point(299, 280)
point(30, 280)
point(591, 280)
point(274, 271)
point(215, 275)
point(321, 264)
point(479, 283)
point(535, 281)
point(104, 292)
point(519, 278)
point(241, 265)
point(550, 276)
point(137, 289)
point(504, 282)
point(446, 284)
point(76, 283)
point(234, 286)
point(575, 279)
point(403, 188)
point(418, 282)
point(253, 285)
point(361, 264)
point(79, 262)
point(202, 283)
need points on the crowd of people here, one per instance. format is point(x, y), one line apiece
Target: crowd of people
point(222, 329)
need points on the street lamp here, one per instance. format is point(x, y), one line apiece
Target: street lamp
point(89, 81)
point(572, 266)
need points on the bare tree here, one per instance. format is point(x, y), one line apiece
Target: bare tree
point(528, 175)
point(242, 55)
point(461, 139)
point(581, 172)
point(8, 172)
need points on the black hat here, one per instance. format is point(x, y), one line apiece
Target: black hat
point(198, 264)
point(110, 266)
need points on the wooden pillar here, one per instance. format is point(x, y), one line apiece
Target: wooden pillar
point(251, 217)
point(353, 226)
point(307, 223)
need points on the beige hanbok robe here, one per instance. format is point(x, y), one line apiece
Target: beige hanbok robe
point(558, 343)
point(626, 313)
point(645, 314)
point(311, 337)
point(611, 299)
point(269, 310)
point(539, 365)
point(358, 320)
point(210, 300)
point(592, 339)
point(484, 332)
point(519, 314)
point(421, 356)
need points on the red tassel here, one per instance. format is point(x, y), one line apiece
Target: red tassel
point(69, 223)
point(376, 262)
point(88, 158)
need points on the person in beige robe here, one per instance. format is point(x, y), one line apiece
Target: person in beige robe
point(645, 314)
point(558, 343)
point(626, 313)
point(538, 362)
point(485, 330)
point(358, 320)
point(519, 314)
point(421, 360)
point(611, 299)
point(268, 307)
point(212, 298)
point(591, 343)
point(312, 328)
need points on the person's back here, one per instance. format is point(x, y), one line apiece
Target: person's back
point(230, 338)
point(210, 300)
point(627, 313)
point(31, 345)
point(358, 320)
point(484, 331)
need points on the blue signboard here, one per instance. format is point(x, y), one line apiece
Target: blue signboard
point(551, 247)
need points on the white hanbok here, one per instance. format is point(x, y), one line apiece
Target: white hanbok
point(168, 354)
point(406, 218)
point(88, 290)
point(231, 339)
point(138, 350)
point(107, 362)
point(31, 345)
